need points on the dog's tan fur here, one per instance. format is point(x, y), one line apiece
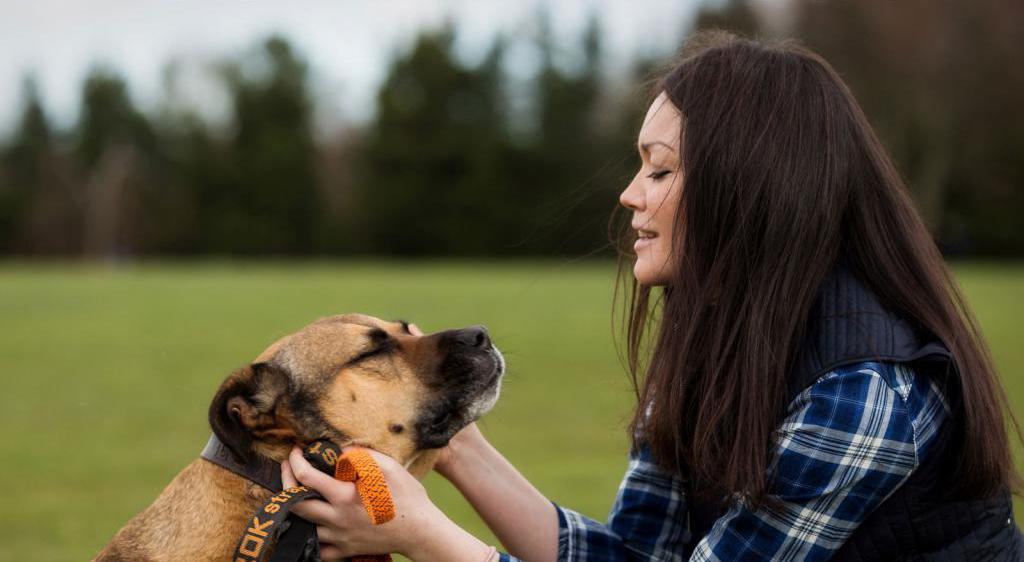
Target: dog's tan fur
point(373, 403)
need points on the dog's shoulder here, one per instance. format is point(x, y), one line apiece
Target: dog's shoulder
point(198, 516)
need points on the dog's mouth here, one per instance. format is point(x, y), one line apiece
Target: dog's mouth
point(471, 384)
point(488, 397)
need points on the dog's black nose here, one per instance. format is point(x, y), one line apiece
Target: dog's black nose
point(474, 336)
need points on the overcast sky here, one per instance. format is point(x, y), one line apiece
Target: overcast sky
point(347, 43)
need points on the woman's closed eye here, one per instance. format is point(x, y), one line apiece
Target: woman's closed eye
point(659, 174)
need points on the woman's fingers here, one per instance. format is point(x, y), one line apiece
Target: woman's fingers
point(317, 511)
point(335, 491)
point(329, 552)
point(287, 477)
point(327, 535)
point(343, 513)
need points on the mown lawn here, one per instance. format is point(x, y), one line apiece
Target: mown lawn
point(108, 371)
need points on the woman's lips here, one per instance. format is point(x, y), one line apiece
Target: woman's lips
point(644, 239)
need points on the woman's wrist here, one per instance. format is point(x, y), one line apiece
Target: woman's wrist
point(517, 513)
point(467, 450)
point(445, 541)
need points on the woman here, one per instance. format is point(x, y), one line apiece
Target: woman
point(816, 387)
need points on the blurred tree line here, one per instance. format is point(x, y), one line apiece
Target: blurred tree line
point(451, 164)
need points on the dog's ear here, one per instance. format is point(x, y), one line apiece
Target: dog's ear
point(248, 407)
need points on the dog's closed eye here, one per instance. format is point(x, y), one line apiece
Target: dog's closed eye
point(380, 343)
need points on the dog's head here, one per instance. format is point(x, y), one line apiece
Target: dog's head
point(355, 379)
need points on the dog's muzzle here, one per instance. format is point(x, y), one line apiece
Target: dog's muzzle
point(465, 387)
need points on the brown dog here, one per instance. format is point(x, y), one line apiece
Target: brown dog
point(351, 379)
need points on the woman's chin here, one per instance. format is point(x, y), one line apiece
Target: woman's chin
point(646, 274)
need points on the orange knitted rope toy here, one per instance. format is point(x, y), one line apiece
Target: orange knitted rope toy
point(358, 466)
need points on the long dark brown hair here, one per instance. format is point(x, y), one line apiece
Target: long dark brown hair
point(783, 176)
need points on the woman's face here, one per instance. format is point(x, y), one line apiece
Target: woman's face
point(653, 195)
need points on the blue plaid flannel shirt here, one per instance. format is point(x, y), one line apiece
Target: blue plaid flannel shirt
point(848, 441)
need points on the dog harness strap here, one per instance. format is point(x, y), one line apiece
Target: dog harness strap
point(260, 469)
point(298, 542)
point(273, 528)
point(270, 522)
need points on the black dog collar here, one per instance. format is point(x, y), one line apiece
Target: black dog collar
point(260, 469)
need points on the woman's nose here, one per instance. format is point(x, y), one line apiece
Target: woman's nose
point(632, 197)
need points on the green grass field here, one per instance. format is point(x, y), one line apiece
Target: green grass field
point(107, 373)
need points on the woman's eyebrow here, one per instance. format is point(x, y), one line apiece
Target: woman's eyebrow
point(646, 146)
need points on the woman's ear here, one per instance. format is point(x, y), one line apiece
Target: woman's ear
point(248, 407)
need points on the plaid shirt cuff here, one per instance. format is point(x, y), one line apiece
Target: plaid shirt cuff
point(567, 541)
point(582, 538)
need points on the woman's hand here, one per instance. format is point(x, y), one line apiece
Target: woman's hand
point(459, 448)
point(419, 530)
